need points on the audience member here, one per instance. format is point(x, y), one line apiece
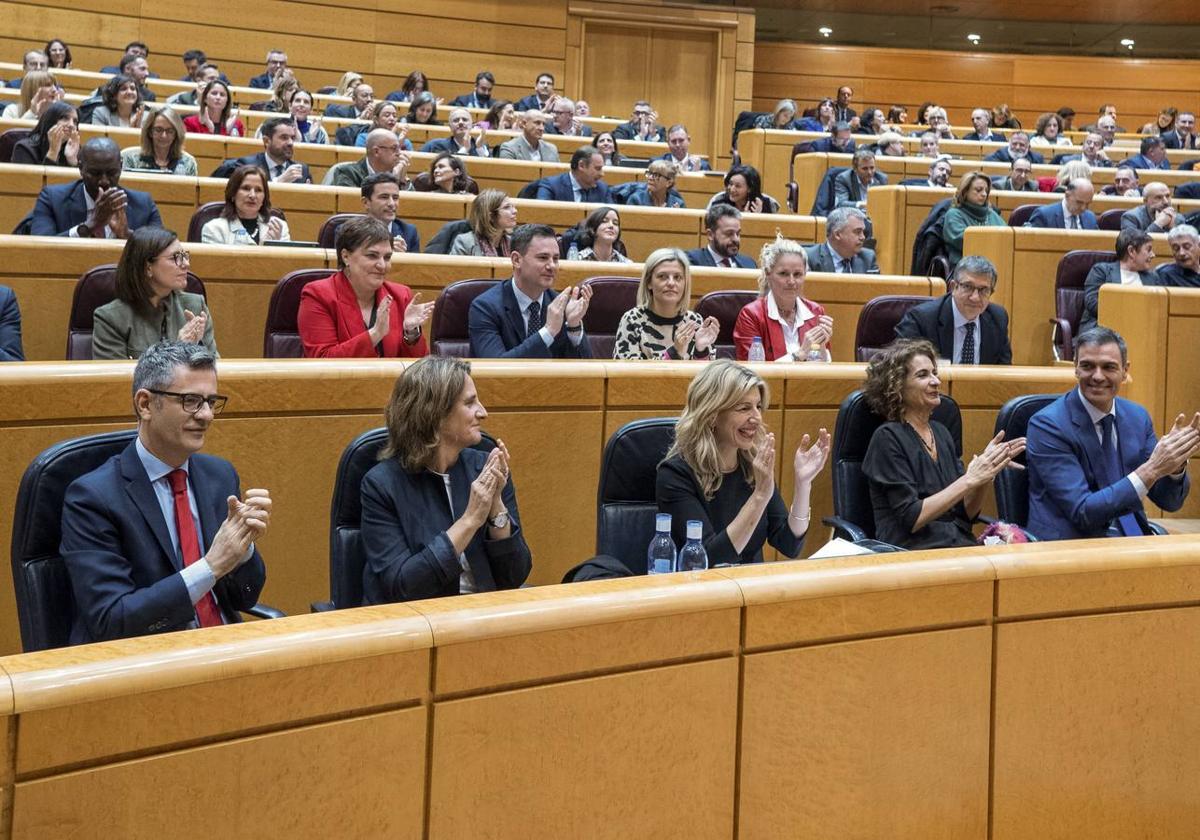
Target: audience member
point(246, 218)
point(1048, 131)
point(481, 96)
point(54, 141)
point(276, 63)
point(422, 110)
point(34, 60)
point(783, 118)
point(1093, 456)
point(929, 145)
point(583, 182)
point(529, 145)
point(823, 117)
point(981, 120)
point(720, 470)
point(161, 149)
point(151, 304)
point(659, 187)
point(539, 100)
point(964, 327)
point(1019, 177)
point(58, 54)
point(415, 83)
point(384, 154)
point(871, 122)
point(843, 112)
point(282, 90)
point(10, 327)
point(1066, 117)
point(897, 117)
point(599, 238)
point(661, 326)
point(582, 108)
point(940, 169)
point(838, 142)
point(1185, 270)
point(606, 144)
point(1002, 117)
point(349, 314)
point(1093, 152)
point(347, 86)
point(383, 115)
point(743, 190)
point(492, 216)
point(1183, 135)
point(1125, 183)
point(95, 205)
point(193, 60)
point(850, 187)
point(523, 318)
point(890, 144)
point(1109, 111)
point(308, 127)
point(463, 139)
point(564, 121)
point(204, 75)
point(643, 125)
point(1135, 253)
point(1156, 215)
point(39, 90)
point(218, 115)
point(1072, 212)
point(136, 68)
point(1106, 127)
point(791, 327)
point(121, 104)
point(723, 227)
point(279, 138)
point(970, 209)
point(447, 174)
point(381, 201)
point(842, 251)
point(1018, 146)
point(1152, 155)
point(939, 124)
point(413, 544)
point(500, 117)
point(921, 495)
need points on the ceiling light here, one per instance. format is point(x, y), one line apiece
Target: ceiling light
point(825, 31)
point(1127, 43)
point(973, 38)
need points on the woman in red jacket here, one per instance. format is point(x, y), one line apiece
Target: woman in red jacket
point(356, 312)
point(792, 327)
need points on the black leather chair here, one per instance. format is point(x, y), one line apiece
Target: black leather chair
point(448, 333)
point(1069, 280)
point(45, 602)
point(724, 306)
point(281, 335)
point(625, 499)
point(1011, 485)
point(95, 288)
point(1111, 219)
point(824, 201)
point(444, 238)
point(612, 297)
point(329, 228)
point(854, 517)
point(9, 139)
point(877, 323)
point(1020, 215)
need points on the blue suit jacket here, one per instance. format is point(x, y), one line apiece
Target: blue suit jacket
point(558, 188)
point(1142, 162)
point(825, 144)
point(1051, 216)
point(1005, 156)
point(409, 234)
point(497, 329)
point(1066, 499)
point(472, 100)
point(704, 165)
point(61, 207)
point(120, 557)
point(262, 80)
point(10, 327)
point(526, 103)
point(446, 144)
point(702, 257)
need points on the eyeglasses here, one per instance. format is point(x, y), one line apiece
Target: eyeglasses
point(180, 258)
point(162, 130)
point(192, 402)
point(968, 290)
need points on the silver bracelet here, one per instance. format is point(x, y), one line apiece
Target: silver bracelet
point(805, 518)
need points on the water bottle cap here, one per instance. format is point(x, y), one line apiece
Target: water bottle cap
point(756, 340)
point(695, 529)
point(662, 522)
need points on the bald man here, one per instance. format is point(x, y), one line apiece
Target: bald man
point(383, 155)
point(1156, 215)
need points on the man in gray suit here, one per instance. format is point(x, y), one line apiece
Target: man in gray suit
point(1135, 252)
point(530, 145)
point(850, 187)
point(842, 252)
point(1156, 215)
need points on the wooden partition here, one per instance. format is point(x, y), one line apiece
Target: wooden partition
point(979, 693)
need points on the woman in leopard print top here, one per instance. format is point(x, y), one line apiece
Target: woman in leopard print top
point(661, 326)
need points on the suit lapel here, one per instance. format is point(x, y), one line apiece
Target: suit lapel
point(137, 486)
point(1089, 443)
point(946, 328)
point(200, 484)
point(512, 311)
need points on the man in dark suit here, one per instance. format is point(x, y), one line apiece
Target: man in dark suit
point(963, 325)
point(1135, 253)
point(481, 97)
point(543, 92)
point(842, 112)
point(361, 107)
point(463, 139)
point(981, 119)
point(582, 183)
point(381, 199)
point(1071, 213)
point(156, 538)
point(679, 146)
point(839, 140)
point(135, 67)
point(136, 49)
point(1084, 480)
point(1018, 146)
point(1185, 247)
point(1152, 154)
point(279, 138)
point(95, 205)
point(276, 61)
point(33, 60)
point(1125, 183)
point(1183, 136)
point(940, 169)
point(563, 121)
point(1093, 152)
point(1156, 215)
point(723, 226)
point(642, 126)
point(1018, 178)
point(523, 318)
point(850, 187)
point(383, 154)
point(10, 327)
point(842, 252)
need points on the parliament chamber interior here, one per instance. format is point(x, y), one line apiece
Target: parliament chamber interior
point(534, 671)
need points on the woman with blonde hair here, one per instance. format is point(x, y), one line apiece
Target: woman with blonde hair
point(721, 470)
point(661, 326)
point(659, 187)
point(492, 217)
point(1070, 171)
point(439, 516)
point(349, 81)
point(39, 90)
point(791, 327)
point(161, 149)
point(782, 118)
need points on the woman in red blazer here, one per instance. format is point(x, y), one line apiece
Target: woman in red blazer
point(781, 301)
point(356, 312)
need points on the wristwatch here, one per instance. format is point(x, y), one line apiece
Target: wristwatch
point(576, 328)
point(82, 230)
point(500, 520)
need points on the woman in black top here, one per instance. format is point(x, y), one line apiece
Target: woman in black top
point(921, 495)
point(721, 470)
point(54, 141)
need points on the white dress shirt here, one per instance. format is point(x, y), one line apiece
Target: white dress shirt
point(523, 302)
point(791, 331)
point(960, 333)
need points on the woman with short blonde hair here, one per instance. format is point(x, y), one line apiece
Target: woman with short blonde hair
point(161, 149)
point(661, 326)
point(791, 327)
point(39, 89)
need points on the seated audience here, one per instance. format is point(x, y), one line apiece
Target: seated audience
point(54, 141)
point(415, 544)
point(135, 67)
point(246, 218)
point(10, 327)
point(381, 115)
point(1048, 132)
point(1002, 117)
point(1066, 116)
point(500, 117)
point(1135, 253)
point(463, 139)
point(582, 108)
point(381, 200)
point(563, 120)
point(842, 251)
point(1018, 146)
point(1152, 154)
point(940, 169)
point(493, 216)
point(658, 189)
point(162, 146)
point(160, 538)
point(1125, 183)
point(963, 325)
point(193, 97)
point(938, 122)
point(1156, 215)
point(308, 128)
point(843, 111)
point(217, 116)
point(897, 117)
point(970, 209)
point(95, 205)
point(422, 110)
point(783, 118)
point(581, 183)
point(723, 227)
point(523, 318)
point(1069, 172)
point(121, 104)
point(415, 83)
point(661, 326)
point(1093, 456)
point(39, 90)
point(791, 327)
point(448, 175)
point(279, 139)
point(679, 145)
point(743, 190)
point(643, 125)
point(1183, 135)
point(384, 154)
point(1019, 177)
point(34, 60)
point(529, 145)
point(838, 142)
point(1106, 127)
point(58, 54)
point(349, 314)
point(850, 187)
point(276, 63)
point(929, 145)
point(921, 495)
point(481, 96)
point(543, 92)
point(1185, 270)
point(720, 470)
point(872, 122)
point(890, 144)
point(606, 144)
point(599, 238)
point(981, 120)
point(823, 117)
point(1072, 212)
point(362, 99)
point(1093, 152)
point(282, 91)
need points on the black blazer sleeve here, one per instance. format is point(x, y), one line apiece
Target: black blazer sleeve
point(1000, 328)
point(10, 328)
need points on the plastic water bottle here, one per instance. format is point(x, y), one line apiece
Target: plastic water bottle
point(757, 353)
point(660, 556)
point(573, 251)
point(692, 557)
point(816, 353)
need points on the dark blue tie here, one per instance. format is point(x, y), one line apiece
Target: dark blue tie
point(1112, 462)
point(535, 318)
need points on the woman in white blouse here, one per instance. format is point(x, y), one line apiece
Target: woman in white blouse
point(246, 218)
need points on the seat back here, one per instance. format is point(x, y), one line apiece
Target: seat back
point(877, 323)
point(1020, 215)
point(928, 246)
point(725, 307)
point(95, 288)
point(8, 140)
point(444, 238)
point(327, 236)
point(743, 121)
point(823, 202)
point(855, 425)
point(424, 183)
point(1069, 281)
point(204, 214)
point(1189, 190)
point(448, 332)
point(332, 171)
point(281, 336)
point(612, 297)
point(45, 602)
point(1012, 485)
point(1111, 219)
point(625, 499)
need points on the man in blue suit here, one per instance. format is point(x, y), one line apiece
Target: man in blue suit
point(276, 62)
point(481, 97)
point(1018, 147)
point(1151, 155)
point(679, 143)
point(1071, 213)
point(381, 200)
point(463, 139)
point(156, 538)
point(839, 141)
point(723, 226)
point(1084, 481)
point(95, 205)
point(582, 183)
point(523, 318)
point(10, 327)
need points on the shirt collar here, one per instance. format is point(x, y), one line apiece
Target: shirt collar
point(523, 300)
point(717, 258)
point(272, 162)
point(155, 468)
point(575, 185)
point(1095, 414)
point(803, 313)
point(1066, 212)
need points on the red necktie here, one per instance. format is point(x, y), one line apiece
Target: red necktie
point(726, 263)
point(189, 543)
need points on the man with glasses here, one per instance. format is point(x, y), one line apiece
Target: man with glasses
point(563, 120)
point(383, 155)
point(159, 537)
point(964, 326)
point(643, 126)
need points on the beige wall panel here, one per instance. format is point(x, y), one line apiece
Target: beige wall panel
point(1032, 595)
point(616, 67)
point(547, 13)
point(683, 75)
point(472, 35)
